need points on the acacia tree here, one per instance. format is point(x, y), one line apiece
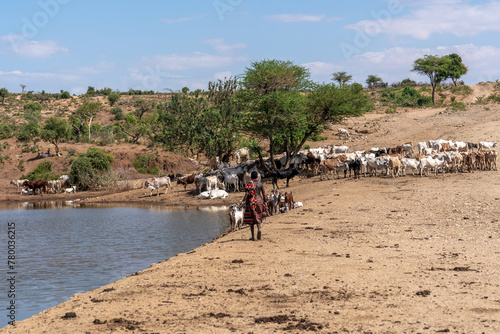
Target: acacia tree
point(85, 114)
point(455, 67)
point(271, 88)
point(55, 131)
point(342, 78)
point(221, 120)
point(373, 80)
point(434, 67)
point(289, 114)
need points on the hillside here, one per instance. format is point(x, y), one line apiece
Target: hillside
point(378, 128)
point(373, 255)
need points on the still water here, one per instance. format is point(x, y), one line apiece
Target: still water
point(68, 250)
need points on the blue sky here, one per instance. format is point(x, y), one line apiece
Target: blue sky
point(156, 45)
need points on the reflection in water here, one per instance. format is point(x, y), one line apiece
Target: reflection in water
point(73, 250)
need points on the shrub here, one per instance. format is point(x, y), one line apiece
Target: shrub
point(113, 98)
point(7, 130)
point(118, 112)
point(92, 169)
point(146, 164)
point(42, 171)
point(459, 106)
point(65, 95)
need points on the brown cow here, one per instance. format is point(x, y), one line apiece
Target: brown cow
point(186, 180)
point(38, 184)
point(334, 165)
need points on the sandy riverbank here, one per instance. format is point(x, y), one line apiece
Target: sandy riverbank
point(372, 255)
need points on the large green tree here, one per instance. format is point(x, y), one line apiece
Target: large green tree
point(455, 68)
point(434, 67)
point(295, 109)
point(55, 131)
point(272, 100)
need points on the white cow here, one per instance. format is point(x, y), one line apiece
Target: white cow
point(18, 184)
point(158, 182)
point(218, 193)
point(64, 177)
point(70, 190)
point(429, 163)
point(413, 164)
point(211, 182)
point(242, 153)
point(54, 185)
point(421, 147)
point(231, 179)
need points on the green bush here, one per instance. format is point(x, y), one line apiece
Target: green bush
point(113, 98)
point(92, 169)
point(65, 95)
point(118, 112)
point(7, 130)
point(42, 171)
point(146, 164)
point(459, 106)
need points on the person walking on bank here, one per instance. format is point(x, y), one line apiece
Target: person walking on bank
point(255, 209)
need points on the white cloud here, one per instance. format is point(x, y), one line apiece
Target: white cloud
point(220, 47)
point(293, 18)
point(101, 67)
point(433, 17)
point(23, 47)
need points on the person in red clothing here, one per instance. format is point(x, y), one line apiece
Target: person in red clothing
point(255, 209)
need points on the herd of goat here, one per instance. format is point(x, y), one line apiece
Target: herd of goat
point(435, 155)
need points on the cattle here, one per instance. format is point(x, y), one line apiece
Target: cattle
point(491, 160)
point(342, 133)
point(429, 163)
point(242, 153)
point(486, 145)
point(186, 180)
point(231, 179)
point(445, 147)
point(211, 182)
point(26, 191)
point(236, 215)
point(340, 149)
point(421, 147)
point(472, 146)
point(54, 185)
point(408, 148)
point(411, 163)
point(18, 184)
point(480, 161)
point(332, 164)
point(355, 166)
point(218, 193)
point(199, 182)
point(214, 162)
point(64, 177)
point(394, 167)
point(64, 184)
point(70, 190)
point(284, 174)
point(157, 183)
point(376, 164)
point(289, 203)
point(38, 184)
